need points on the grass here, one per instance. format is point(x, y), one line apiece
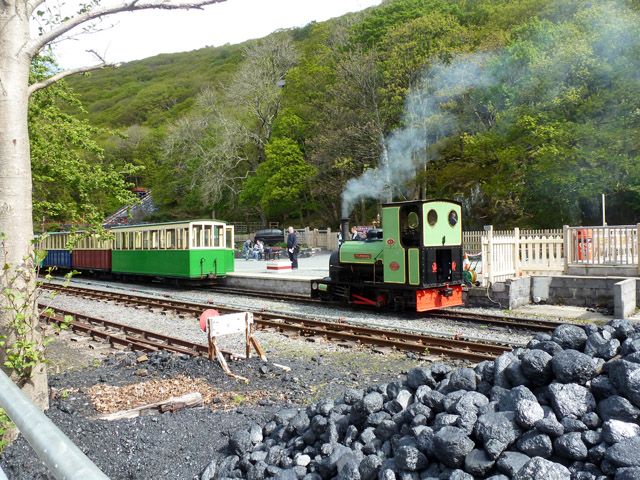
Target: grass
point(5, 425)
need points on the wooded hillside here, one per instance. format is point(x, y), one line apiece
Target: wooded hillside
point(526, 111)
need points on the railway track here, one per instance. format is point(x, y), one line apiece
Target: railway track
point(289, 297)
point(116, 333)
point(341, 331)
point(503, 321)
point(536, 324)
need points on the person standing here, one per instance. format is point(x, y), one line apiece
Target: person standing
point(292, 248)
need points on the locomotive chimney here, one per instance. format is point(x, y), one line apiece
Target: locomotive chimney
point(344, 228)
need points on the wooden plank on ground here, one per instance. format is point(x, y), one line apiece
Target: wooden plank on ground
point(190, 400)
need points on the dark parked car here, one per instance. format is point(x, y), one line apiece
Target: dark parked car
point(270, 236)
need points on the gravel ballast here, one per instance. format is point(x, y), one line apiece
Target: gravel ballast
point(434, 326)
point(558, 409)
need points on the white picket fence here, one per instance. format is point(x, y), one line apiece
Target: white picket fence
point(511, 253)
point(613, 250)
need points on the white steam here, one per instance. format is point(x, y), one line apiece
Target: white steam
point(425, 122)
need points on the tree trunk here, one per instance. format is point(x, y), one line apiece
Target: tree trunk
point(15, 168)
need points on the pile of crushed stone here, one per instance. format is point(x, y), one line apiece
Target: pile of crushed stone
point(178, 445)
point(564, 407)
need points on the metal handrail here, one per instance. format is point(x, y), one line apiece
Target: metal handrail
point(61, 455)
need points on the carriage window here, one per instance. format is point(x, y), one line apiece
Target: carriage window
point(196, 232)
point(208, 236)
point(185, 238)
point(154, 238)
point(229, 237)
point(218, 236)
point(171, 239)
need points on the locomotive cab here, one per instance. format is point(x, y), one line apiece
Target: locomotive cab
point(415, 262)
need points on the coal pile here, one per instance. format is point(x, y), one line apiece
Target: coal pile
point(565, 407)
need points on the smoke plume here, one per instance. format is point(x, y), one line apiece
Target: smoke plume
point(425, 122)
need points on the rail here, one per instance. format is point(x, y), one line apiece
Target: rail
point(61, 455)
point(399, 339)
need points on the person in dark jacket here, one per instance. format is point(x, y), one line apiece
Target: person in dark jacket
point(292, 248)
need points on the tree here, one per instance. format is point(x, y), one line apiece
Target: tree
point(71, 180)
point(202, 153)
point(350, 137)
point(18, 48)
point(257, 87)
point(281, 182)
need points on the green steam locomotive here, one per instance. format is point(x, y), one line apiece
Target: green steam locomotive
point(414, 263)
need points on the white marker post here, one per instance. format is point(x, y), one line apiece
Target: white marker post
point(219, 325)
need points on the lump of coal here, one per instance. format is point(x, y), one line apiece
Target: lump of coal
point(568, 407)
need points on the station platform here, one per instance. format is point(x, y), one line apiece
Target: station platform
point(255, 274)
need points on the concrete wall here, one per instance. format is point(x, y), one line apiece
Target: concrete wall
point(617, 293)
point(603, 270)
point(512, 293)
point(624, 298)
point(586, 291)
point(269, 282)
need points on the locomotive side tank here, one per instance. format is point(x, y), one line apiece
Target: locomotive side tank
point(414, 263)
